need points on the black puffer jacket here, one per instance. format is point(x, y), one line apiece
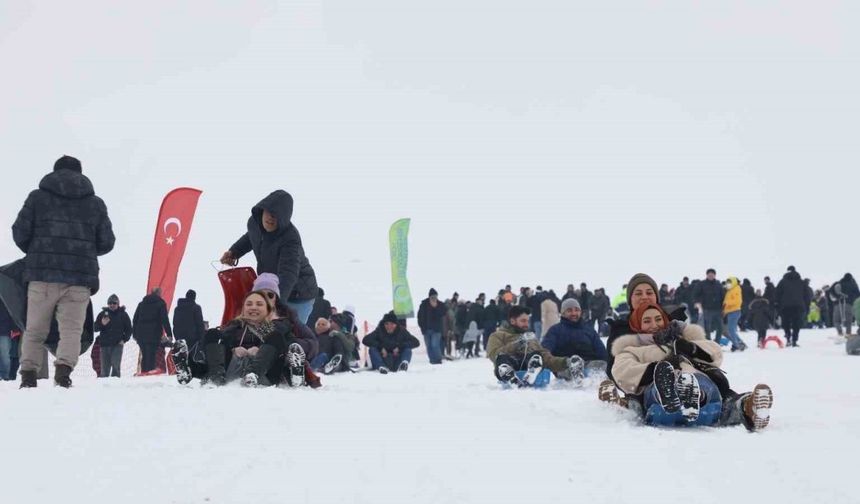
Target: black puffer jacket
point(791, 292)
point(380, 339)
point(429, 318)
point(321, 309)
point(116, 330)
point(280, 252)
point(150, 320)
point(188, 320)
point(63, 228)
point(710, 294)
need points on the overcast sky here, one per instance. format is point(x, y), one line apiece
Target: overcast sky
point(541, 142)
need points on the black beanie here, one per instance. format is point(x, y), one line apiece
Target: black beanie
point(191, 295)
point(433, 293)
point(390, 317)
point(68, 163)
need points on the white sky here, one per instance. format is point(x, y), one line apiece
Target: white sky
point(530, 142)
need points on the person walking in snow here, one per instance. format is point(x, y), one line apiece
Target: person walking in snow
point(709, 295)
point(277, 245)
point(62, 228)
point(792, 299)
point(150, 325)
point(843, 294)
point(114, 327)
point(431, 316)
point(390, 345)
point(759, 317)
point(732, 310)
point(515, 348)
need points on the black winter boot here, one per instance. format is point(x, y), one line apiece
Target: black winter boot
point(28, 379)
point(215, 362)
point(180, 360)
point(61, 376)
point(664, 381)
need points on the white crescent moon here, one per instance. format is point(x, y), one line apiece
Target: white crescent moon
point(173, 220)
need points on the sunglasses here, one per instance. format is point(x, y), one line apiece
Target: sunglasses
point(271, 295)
point(112, 304)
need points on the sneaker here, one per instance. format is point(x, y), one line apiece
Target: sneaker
point(664, 382)
point(508, 375)
point(180, 360)
point(576, 366)
point(296, 362)
point(687, 386)
point(404, 366)
point(251, 380)
point(332, 365)
point(757, 407)
point(383, 370)
point(535, 366)
point(61, 376)
point(28, 379)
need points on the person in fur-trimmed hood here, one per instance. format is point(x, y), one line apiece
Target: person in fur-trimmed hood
point(666, 362)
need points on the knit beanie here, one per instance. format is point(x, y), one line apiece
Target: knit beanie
point(569, 303)
point(640, 278)
point(267, 281)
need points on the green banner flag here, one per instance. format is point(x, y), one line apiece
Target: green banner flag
point(397, 239)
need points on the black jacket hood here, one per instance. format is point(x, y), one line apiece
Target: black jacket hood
point(67, 184)
point(279, 204)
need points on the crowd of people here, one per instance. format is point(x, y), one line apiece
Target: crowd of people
point(662, 355)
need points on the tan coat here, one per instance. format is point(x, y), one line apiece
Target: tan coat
point(632, 357)
point(548, 316)
point(507, 341)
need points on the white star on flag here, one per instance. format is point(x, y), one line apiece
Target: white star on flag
point(170, 240)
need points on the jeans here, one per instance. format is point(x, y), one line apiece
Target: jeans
point(391, 362)
point(5, 356)
point(433, 343)
point(111, 360)
point(709, 412)
point(713, 320)
point(303, 308)
point(733, 318)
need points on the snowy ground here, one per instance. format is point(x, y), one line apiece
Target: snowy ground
point(436, 435)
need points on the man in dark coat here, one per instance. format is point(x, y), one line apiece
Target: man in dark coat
point(277, 245)
point(149, 325)
point(792, 300)
point(600, 308)
point(573, 336)
point(748, 294)
point(188, 322)
point(490, 320)
point(585, 297)
point(390, 345)
point(63, 228)
point(431, 317)
point(770, 295)
point(842, 294)
point(114, 327)
point(321, 309)
point(8, 329)
point(708, 296)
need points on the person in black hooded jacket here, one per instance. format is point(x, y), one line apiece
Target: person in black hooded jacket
point(63, 228)
point(188, 322)
point(321, 309)
point(792, 300)
point(114, 327)
point(277, 245)
point(390, 345)
point(149, 324)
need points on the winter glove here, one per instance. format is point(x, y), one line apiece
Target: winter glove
point(674, 360)
point(671, 333)
point(529, 336)
point(685, 348)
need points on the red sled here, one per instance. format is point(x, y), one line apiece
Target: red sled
point(236, 284)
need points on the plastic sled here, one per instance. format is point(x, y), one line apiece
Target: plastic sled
point(542, 380)
point(774, 339)
point(236, 283)
point(724, 341)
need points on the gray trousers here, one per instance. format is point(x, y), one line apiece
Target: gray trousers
point(843, 316)
point(44, 300)
point(111, 361)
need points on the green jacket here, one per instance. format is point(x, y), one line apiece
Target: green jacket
point(620, 298)
point(512, 341)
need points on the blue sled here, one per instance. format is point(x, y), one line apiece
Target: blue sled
point(542, 380)
point(724, 341)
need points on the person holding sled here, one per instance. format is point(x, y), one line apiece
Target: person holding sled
point(390, 345)
point(513, 347)
point(277, 245)
point(671, 365)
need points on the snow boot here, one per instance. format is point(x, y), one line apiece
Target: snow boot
point(251, 380)
point(332, 365)
point(576, 367)
point(534, 367)
point(215, 361)
point(756, 407)
point(296, 364)
point(404, 366)
point(28, 379)
point(507, 374)
point(180, 360)
point(664, 382)
point(61, 376)
point(608, 392)
point(383, 370)
point(687, 386)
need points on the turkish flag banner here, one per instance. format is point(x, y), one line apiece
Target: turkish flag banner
point(171, 237)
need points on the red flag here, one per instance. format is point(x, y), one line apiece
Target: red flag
point(171, 237)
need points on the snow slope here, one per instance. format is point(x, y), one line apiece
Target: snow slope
point(434, 435)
